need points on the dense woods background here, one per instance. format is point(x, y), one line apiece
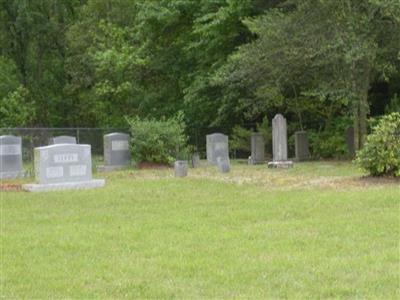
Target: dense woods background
point(225, 64)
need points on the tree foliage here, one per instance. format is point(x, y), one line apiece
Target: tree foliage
point(223, 62)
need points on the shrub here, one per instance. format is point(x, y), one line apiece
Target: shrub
point(381, 152)
point(240, 139)
point(331, 142)
point(158, 141)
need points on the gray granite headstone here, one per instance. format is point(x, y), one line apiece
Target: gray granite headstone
point(223, 164)
point(257, 149)
point(10, 157)
point(195, 160)
point(279, 143)
point(217, 146)
point(181, 168)
point(302, 147)
point(350, 141)
point(117, 154)
point(63, 166)
point(62, 139)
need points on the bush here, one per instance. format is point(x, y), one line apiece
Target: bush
point(381, 152)
point(331, 142)
point(240, 139)
point(158, 141)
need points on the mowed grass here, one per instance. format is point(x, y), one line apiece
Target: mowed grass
point(316, 231)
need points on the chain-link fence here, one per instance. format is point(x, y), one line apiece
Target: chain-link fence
point(36, 137)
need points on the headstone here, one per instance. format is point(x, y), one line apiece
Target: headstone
point(195, 160)
point(181, 168)
point(217, 146)
point(279, 143)
point(350, 141)
point(223, 164)
point(302, 147)
point(62, 139)
point(117, 154)
point(257, 149)
point(63, 166)
point(11, 157)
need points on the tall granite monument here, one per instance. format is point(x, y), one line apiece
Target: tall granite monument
point(11, 157)
point(279, 144)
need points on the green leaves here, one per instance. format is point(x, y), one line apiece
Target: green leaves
point(381, 153)
point(158, 141)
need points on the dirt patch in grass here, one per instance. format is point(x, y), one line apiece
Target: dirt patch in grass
point(367, 181)
point(10, 187)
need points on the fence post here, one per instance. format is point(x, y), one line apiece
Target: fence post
point(77, 134)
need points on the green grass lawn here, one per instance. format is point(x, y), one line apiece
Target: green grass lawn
point(316, 231)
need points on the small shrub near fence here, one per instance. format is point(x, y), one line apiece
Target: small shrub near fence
point(158, 141)
point(381, 152)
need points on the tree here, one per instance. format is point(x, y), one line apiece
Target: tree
point(320, 49)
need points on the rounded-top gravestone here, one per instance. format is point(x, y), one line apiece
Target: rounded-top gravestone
point(11, 157)
point(279, 143)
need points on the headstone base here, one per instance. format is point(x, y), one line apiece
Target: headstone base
point(79, 185)
point(223, 164)
point(104, 168)
point(12, 175)
point(280, 164)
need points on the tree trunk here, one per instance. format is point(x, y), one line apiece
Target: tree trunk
point(360, 88)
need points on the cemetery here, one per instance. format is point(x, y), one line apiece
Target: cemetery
point(200, 149)
point(201, 218)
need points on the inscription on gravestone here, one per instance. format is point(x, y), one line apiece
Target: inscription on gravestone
point(11, 157)
point(62, 139)
point(217, 146)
